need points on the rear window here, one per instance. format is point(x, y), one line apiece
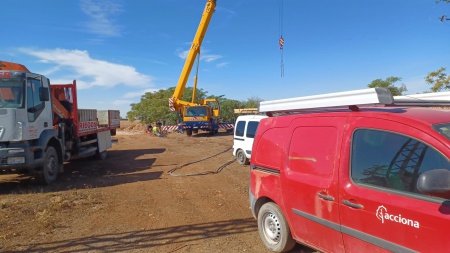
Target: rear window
point(240, 128)
point(251, 128)
point(443, 129)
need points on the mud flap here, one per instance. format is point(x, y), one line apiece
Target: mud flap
point(104, 140)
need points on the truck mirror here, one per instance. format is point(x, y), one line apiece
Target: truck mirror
point(435, 183)
point(44, 94)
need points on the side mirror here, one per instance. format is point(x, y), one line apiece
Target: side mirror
point(44, 94)
point(435, 183)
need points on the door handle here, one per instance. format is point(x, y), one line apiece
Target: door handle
point(325, 197)
point(350, 204)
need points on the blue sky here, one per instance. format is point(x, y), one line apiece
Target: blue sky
point(119, 49)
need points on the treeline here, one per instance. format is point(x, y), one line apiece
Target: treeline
point(154, 106)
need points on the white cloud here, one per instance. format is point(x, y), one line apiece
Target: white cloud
point(182, 54)
point(135, 94)
point(89, 72)
point(210, 57)
point(204, 56)
point(100, 13)
point(122, 102)
point(222, 65)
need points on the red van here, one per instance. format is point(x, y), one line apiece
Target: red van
point(353, 173)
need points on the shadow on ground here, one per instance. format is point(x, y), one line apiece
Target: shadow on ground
point(176, 238)
point(120, 167)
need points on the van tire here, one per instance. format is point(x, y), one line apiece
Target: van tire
point(241, 158)
point(274, 229)
point(50, 168)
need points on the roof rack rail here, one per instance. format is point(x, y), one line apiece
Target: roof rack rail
point(349, 99)
point(435, 99)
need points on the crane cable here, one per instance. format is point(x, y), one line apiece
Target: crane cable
point(281, 39)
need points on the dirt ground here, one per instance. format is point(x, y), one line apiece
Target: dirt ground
point(172, 194)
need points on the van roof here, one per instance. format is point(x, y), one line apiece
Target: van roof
point(425, 115)
point(247, 117)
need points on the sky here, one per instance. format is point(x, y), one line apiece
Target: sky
point(118, 50)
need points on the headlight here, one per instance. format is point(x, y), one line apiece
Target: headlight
point(17, 136)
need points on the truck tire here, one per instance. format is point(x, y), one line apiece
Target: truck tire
point(189, 132)
point(274, 229)
point(50, 168)
point(100, 155)
point(241, 158)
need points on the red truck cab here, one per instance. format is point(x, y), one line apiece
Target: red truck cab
point(367, 177)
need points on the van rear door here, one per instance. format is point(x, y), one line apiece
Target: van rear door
point(381, 209)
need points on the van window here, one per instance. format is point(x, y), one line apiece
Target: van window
point(251, 129)
point(240, 127)
point(392, 160)
point(443, 129)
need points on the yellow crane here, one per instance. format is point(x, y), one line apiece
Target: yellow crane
point(202, 114)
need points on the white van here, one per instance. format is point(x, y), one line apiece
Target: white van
point(244, 132)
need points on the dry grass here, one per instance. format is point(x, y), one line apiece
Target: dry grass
point(44, 215)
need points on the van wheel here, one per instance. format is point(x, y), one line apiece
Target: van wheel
point(274, 229)
point(50, 167)
point(241, 158)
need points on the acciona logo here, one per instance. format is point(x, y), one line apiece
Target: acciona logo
point(383, 215)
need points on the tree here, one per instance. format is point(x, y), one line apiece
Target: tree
point(438, 79)
point(227, 107)
point(252, 102)
point(154, 106)
point(389, 84)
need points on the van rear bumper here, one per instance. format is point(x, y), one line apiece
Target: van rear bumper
point(252, 201)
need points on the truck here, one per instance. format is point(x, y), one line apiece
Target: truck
point(41, 126)
point(204, 113)
point(355, 171)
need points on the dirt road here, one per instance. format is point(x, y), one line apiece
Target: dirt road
point(130, 203)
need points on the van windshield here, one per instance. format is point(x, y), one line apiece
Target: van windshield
point(443, 129)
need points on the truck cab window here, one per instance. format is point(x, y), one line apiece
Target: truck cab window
point(34, 103)
point(11, 93)
point(392, 160)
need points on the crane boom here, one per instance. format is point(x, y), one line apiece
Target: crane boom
point(193, 52)
point(204, 114)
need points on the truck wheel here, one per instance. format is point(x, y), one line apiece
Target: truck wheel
point(241, 158)
point(189, 132)
point(100, 155)
point(195, 131)
point(50, 167)
point(274, 229)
